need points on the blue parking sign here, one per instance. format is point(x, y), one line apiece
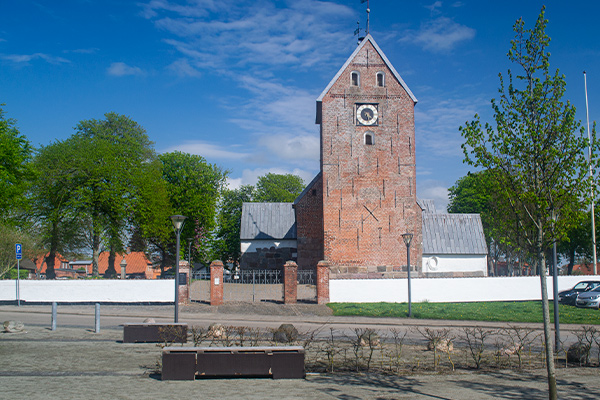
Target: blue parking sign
point(18, 249)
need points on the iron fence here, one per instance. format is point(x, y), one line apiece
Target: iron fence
point(255, 286)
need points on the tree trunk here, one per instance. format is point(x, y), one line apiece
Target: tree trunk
point(95, 254)
point(50, 268)
point(111, 272)
point(552, 391)
point(571, 260)
point(50, 273)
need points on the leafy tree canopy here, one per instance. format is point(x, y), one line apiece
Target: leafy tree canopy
point(278, 188)
point(15, 169)
point(193, 188)
point(536, 150)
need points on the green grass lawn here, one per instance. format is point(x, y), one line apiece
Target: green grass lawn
point(510, 311)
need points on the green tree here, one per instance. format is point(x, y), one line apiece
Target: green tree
point(577, 243)
point(278, 188)
point(473, 194)
point(193, 187)
point(15, 168)
point(51, 209)
point(112, 156)
point(537, 153)
point(229, 221)
point(9, 236)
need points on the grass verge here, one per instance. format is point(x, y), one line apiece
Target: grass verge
point(502, 311)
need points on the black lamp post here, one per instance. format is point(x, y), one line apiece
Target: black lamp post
point(178, 221)
point(407, 239)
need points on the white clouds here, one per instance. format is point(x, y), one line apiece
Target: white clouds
point(209, 151)
point(183, 68)
point(292, 148)
point(438, 120)
point(434, 190)
point(90, 50)
point(122, 69)
point(25, 59)
point(246, 34)
point(250, 176)
point(435, 7)
point(439, 35)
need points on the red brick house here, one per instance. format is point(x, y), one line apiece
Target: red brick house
point(138, 265)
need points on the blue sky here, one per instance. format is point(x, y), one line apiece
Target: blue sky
point(236, 81)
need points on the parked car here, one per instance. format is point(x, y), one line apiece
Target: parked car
point(589, 299)
point(568, 297)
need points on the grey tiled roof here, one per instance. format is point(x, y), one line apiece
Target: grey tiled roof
point(268, 221)
point(427, 205)
point(453, 234)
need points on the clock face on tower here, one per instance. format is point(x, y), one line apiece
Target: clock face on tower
point(367, 114)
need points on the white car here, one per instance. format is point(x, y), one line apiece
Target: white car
point(589, 299)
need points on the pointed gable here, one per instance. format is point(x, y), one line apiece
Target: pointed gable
point(353, 56)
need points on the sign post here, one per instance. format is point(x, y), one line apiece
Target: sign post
point(19, 254)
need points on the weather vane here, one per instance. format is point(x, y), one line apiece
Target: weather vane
point(357, 31)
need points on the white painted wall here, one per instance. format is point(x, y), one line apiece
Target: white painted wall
point(251, 246)
point(455, 263)
point(84, 290)
point(440, 290)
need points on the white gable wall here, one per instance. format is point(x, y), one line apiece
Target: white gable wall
point(250, 246)
point(463, 263)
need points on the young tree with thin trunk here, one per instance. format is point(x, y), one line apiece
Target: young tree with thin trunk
point(537, 151)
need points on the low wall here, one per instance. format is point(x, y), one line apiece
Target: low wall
point(101, 290)
point(440, 290)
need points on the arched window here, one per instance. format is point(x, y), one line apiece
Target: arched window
point(369, 138)
point(355, 78)
point(380, 79)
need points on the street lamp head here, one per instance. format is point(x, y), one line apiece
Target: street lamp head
point(123, 263)
point(177, 221)
point(407, 238)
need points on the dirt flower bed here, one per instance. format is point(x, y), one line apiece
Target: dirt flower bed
point(388, 351)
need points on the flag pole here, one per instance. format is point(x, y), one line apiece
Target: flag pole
point(587, 113)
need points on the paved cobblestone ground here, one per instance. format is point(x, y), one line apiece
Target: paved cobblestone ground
point(75, 363)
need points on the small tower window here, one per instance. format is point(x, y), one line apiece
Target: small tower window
point(380, 79)
point(355, 78)
point(369, 138)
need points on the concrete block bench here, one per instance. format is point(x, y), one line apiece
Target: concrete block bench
point(184, 363)
point(155, 332)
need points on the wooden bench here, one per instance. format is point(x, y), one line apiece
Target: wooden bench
point(155, 332)
point(184, 363)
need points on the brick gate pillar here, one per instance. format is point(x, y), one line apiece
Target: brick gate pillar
point(184, 282)
point(290, 282)
point(323, 282)
point(216, 283)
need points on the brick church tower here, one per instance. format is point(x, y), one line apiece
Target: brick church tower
point(353, 214)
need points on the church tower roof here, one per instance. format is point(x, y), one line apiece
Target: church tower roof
point(367, 38)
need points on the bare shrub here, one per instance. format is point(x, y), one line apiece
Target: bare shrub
point(580, 351)
point(519, 338)
point(370, 339)
point(476, 338)
point(438, 340)
point(199, 335)
point(357, 342)
point(169, 334)
point(331, 349)
point(394, 355)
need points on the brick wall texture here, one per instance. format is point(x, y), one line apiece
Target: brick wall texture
point(309, 225)
point(366, 195)
point(290, 282)
point(216, 283)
